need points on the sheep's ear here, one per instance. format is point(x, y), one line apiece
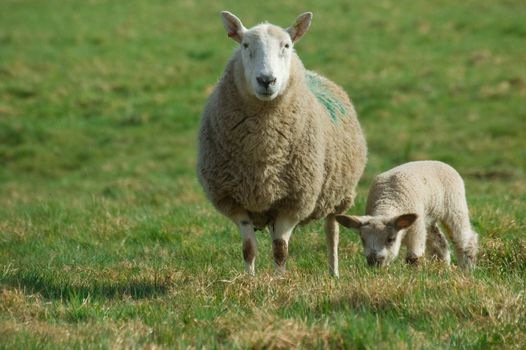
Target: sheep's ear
point(300, 27)
point(350, 221)
point(404, 221)
point(233, 26)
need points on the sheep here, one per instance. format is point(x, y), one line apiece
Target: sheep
point(279, 145)
point(405, 205)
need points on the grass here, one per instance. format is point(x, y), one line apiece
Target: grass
point(107, 241)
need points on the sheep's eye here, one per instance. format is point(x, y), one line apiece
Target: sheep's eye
point(287, 46)
point(245, 45)
point(390, 240)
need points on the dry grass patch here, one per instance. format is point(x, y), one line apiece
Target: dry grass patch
point(115, 335)
point(496, 254)
point(263, 330)
point(20, 306)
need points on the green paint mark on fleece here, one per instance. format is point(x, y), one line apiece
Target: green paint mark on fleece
point(330, 102)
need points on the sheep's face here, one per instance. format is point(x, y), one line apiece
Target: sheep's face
point(381, 236)
point(266, 52)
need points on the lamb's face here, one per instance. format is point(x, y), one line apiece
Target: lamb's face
point(381, 236)
point(381, 241)
point(266, 52)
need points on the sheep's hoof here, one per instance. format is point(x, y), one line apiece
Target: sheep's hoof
point(334, 274)
point(279, 248)
point(279, 270)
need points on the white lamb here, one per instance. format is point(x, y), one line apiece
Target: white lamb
point(278, 145)
point(404, 206)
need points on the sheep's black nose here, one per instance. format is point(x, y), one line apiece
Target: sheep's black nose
point(266, 80)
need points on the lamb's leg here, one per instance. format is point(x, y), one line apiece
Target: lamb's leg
point(437, 244)
point(465, 240)
point(248, 235)
point(332, 235)
point(280, 232)
point(415, 241)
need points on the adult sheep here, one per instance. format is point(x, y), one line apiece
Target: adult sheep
point(278, 145)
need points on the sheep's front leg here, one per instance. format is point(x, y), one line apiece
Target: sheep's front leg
point(332, 235)
point(280, 232)
point(248, 236)
point(415, 241)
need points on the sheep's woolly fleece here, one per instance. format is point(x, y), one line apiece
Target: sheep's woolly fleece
point(301, 154)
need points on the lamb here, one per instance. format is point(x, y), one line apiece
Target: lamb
point(405, 205)
point(278, 145)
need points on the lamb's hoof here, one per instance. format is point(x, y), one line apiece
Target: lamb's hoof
point(412, 260)
point(467, 266)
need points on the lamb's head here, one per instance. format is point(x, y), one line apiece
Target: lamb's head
point(266, 52)
point(380, 235)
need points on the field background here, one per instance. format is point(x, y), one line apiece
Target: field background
point(106, 239)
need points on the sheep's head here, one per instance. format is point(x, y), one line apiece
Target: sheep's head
point(266, 52)
point(381, 236)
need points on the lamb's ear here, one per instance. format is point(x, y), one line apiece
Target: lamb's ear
point(350, 221)
point(300, 27)
point(404, 221)
point(233, 26)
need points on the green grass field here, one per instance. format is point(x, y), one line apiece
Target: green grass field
point(107, 241)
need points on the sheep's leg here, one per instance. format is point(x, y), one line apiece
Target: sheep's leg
point(248, 235)
point(436, 244)
point(280, 232)
point(332, 235)
point(415, 241)
point(465, 240)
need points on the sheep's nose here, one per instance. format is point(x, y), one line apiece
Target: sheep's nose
point(266, 80)
point(373, 260)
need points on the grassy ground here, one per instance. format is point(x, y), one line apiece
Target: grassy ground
point(106, 239)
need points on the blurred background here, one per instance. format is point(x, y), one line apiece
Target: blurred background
point(104, 97)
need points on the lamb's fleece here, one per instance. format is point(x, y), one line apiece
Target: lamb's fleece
point(428, 187)
point(300, 154)
point(435, 192)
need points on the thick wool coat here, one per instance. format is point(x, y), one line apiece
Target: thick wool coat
point(300, 154)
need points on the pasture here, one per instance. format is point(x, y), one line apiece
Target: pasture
point(107, 241)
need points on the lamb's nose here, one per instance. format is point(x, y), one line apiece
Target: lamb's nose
point(266, 80)
point(375, 260)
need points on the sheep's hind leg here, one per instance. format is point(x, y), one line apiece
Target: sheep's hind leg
point(436, 245)
point(465, 241)
point(332, 235)
point(246, 229)
point(280, 232)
